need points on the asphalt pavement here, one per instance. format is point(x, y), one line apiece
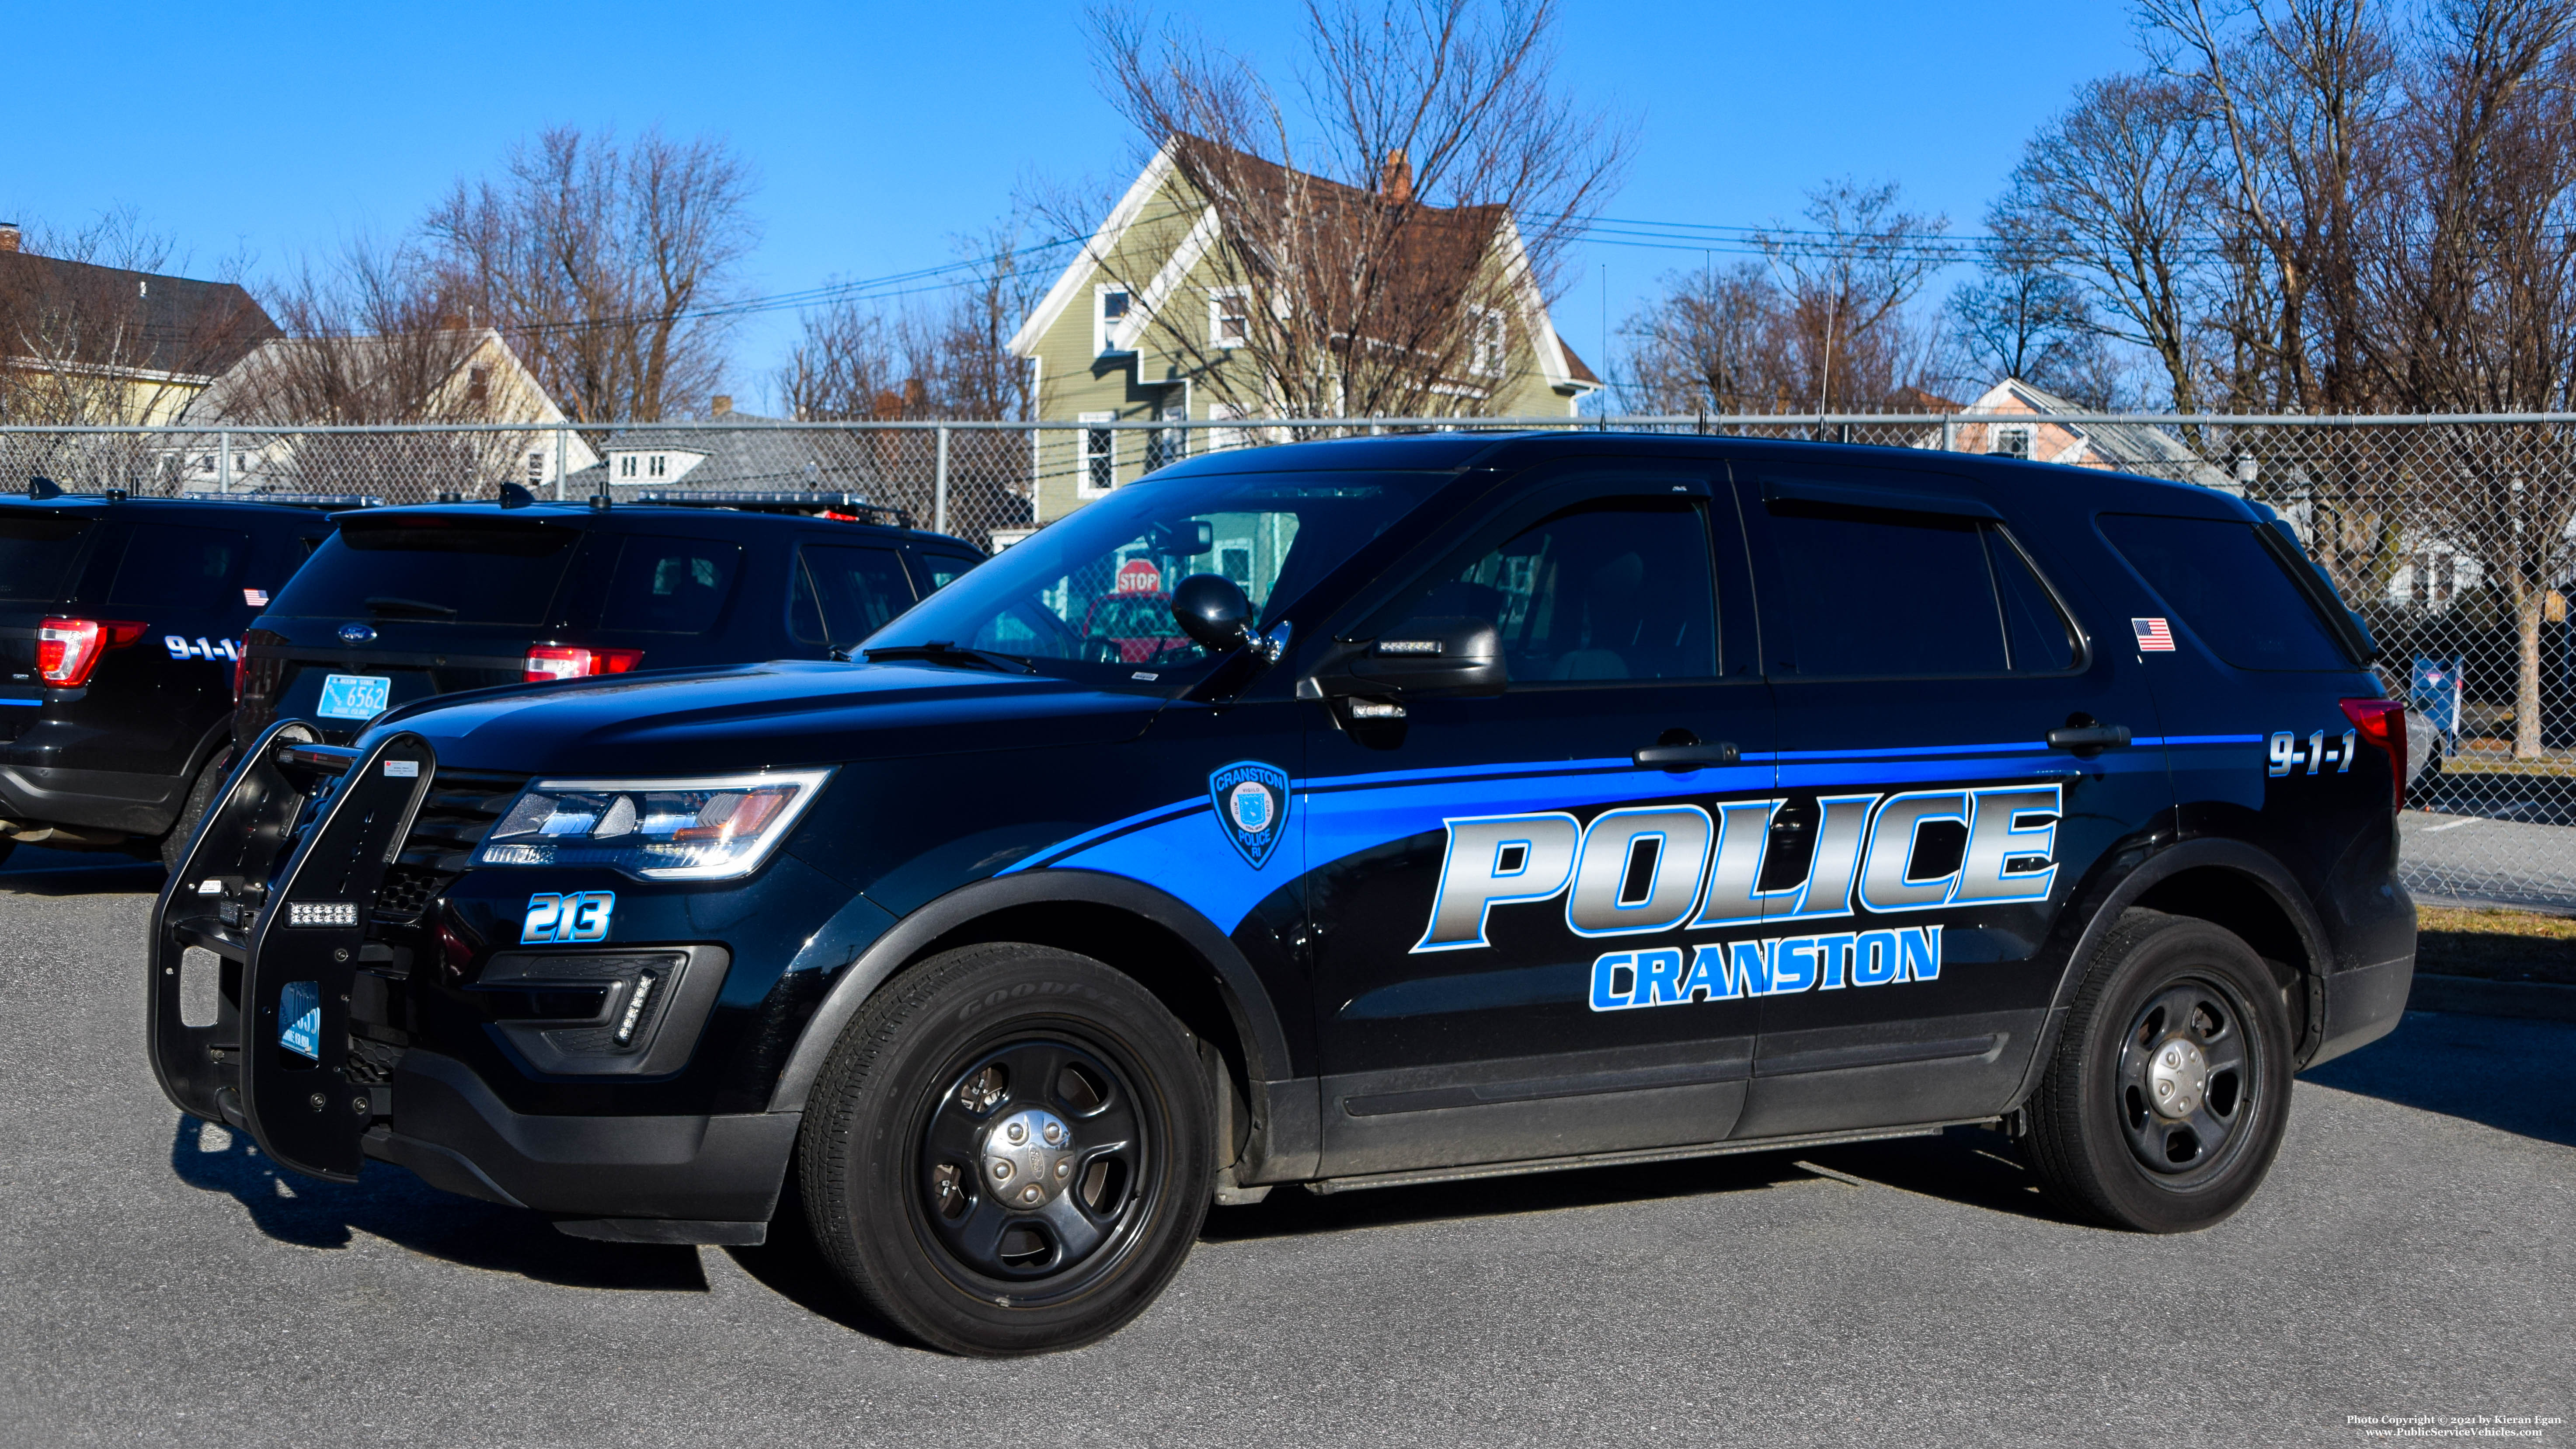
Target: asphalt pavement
point(2481, 860)
point(2414, 1254)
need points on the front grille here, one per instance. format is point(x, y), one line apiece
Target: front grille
point(459, 810)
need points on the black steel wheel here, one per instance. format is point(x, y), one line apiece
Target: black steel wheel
point(2169, 1090)
point(1010, 1150)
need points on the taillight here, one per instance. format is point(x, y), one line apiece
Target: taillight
point(2382, 722)
point(68, 649)
point(241, 666)
point(565, 661)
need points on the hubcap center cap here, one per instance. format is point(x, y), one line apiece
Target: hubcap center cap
point(2177, 1078)
point(1028, 1158)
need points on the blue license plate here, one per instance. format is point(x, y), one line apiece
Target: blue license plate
point(353, 696)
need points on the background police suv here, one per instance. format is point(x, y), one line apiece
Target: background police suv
point(121, 623)
point(1486, 805)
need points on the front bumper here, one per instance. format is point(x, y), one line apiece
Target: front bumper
point(282, 1003)
point(456, 1134)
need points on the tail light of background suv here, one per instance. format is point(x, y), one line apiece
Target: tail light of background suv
point(68, 649)
point(566, 661)
point(2382, 722)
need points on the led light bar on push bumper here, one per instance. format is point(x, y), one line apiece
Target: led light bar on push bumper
point(680, 829)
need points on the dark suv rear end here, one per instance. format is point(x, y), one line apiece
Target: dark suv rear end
point(120, 623)
point(407, 603)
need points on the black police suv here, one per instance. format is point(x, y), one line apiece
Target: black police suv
point(1484, 805)
point(407, 603)
point(121, 622)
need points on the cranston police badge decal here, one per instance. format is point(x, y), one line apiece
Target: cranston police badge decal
point(1251, 801)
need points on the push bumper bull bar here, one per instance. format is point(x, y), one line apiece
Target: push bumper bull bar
point(259, 936)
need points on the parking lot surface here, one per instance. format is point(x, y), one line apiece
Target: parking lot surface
point(2413, 1253)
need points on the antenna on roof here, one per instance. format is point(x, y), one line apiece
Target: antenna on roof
point(511, 495)
point(41, 488)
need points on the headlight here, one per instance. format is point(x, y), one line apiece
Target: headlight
point(712, 829)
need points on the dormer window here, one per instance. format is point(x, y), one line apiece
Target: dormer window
point(2011, 441)
point(1229, 317)
point(1110, 306)
point(626, 466)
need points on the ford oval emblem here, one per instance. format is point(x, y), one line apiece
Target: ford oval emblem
point(356, 634)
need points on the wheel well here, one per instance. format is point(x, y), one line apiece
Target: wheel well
point(1182, 979)
point(2245, 906)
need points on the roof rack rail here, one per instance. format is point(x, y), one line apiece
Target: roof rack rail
point(291, 500)
point(849, 507)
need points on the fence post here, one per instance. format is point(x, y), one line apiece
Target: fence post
point(1949, 433)
point(939, 485)
point(223, 462)
point(561, 433)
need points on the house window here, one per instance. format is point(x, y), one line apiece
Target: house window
point(1220, 439)
point(536, 467)
point(1099, 465)
point(1485, 344)
point(657, 465)
point(1229, 317)
point(478, 384)
point(626, 466)
point(2011, 442)
point(1110, 306)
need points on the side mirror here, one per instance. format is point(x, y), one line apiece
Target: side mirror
point(1455, 655)
point(1211, 609)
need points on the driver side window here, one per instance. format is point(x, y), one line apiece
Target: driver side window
point(1607, 590)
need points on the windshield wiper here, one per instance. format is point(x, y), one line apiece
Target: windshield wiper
point(942, 651)
point(420, 608)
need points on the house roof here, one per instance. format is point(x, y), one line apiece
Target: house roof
point(1437, 252)
point(784, 457)
point(2130, 447)
point(112, 318)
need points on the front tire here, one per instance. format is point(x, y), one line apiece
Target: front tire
point(2169, 1091)
point(1010, 1150)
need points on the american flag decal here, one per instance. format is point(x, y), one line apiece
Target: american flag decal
point(2153, 636)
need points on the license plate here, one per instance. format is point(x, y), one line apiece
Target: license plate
point(354, 696)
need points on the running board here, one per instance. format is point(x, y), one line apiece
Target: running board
point(1645, 1154)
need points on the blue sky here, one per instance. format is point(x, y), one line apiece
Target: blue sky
point(878, 131)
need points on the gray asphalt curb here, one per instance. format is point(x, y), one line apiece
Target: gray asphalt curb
point(2472, 996)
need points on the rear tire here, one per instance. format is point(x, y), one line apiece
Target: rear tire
point(201, 798)
point(2169, 1089)
point(980, 1240)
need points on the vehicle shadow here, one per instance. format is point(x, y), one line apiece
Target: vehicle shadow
point(86, 874)
point(791, 1266)
point(390, 1203)
point(2508, 1073)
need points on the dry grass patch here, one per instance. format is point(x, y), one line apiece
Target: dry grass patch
point(2496, 944)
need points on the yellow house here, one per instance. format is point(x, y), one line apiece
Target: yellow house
point(86, 344)
point(1169, 312)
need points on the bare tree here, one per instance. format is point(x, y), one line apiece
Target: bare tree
point(1847, 277)
point(2473, 277)
point(1713, 340)
point(1389, 234)
point(2020, 318)
point(604, 264)
point(950, 358)
point(2113, 195)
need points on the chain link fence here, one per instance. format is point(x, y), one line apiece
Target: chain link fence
point(2454, 537)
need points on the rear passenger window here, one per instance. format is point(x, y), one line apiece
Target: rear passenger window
point(939, 570)
point(1875, 594)
point(2234, 593)
point(844, 594)
point(36, 556)
point(670, 585)
point(173, 566)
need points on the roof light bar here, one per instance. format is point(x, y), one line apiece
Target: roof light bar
point(292, 500)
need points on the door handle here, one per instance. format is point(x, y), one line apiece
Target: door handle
point(2087, 737)
point(1675, 756)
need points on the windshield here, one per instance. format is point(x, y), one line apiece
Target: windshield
point(445, 570)
point(1095, 590)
